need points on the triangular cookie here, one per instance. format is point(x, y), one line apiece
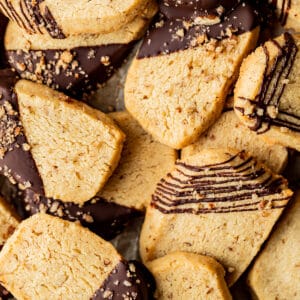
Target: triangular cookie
point(221, 203)
point(54, 145)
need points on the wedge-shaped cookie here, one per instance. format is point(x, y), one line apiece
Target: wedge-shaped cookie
point(8, 223)
point(177, 85)
point(228, 131)
point(267, 93)
point(288, 12)
point(49, 258)
point(182, 275)
point(63, 18)
point(221, 203)
point(74, 65)
point(56, 146)
point(276, 272)
point(143, 163)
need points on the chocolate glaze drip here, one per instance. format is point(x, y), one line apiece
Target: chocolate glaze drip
point(16, 162)
point(284, 10)
point(32, 17)
point(129, 280)
point(104, 218)
point(4, 294)
point(272, 89)
point(235, 185)
point(75, 72)
point(179, 27)
point(3, 24)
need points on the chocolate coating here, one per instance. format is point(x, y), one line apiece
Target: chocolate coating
point(186, 9)
point(129, 280)
point(15, 162)
point(4, 294)
point(104, 218)
point(75, 72)
point(163, 37)
point(3, 24)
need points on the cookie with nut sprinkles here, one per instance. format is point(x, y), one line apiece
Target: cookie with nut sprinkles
point(219, 202)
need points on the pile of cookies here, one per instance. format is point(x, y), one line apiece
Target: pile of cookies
point(212, 118)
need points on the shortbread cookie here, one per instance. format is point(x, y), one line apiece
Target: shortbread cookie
point(276, 272)
point(49, 258)
point(228, 131)
point(267, 94)
point(77, 64)
point(8, 223)
point(177, 85)
point(143, 163)
point(182, 275)
point(288, 13)
point(54, 145)
point(221, 203)
point(63, 18)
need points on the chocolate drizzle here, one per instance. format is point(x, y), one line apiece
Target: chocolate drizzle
point(104, 218)
point(129, 280)
point(75, 72)
point(266, 105)
point(283, 10)
point(16, 161)
point(239, 184)
point(32, 18)
point(186, 25)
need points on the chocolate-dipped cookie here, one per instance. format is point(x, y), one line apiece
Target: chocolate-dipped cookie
point(59, 152)
point(59, 19)
point(57, 259)
point(221, 203)
point(143, 163)
point(228, 131)
point(182, 275)
point(8, 223)
point(177, 85)
point(267, 96)
point(276, 272)
point(75, 65)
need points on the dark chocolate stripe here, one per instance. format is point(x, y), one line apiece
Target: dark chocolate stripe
point(129, 280)
point(246, 193)
point(16, 162)
point(170, 33)
point(284, 11)
point(3, 24)
point(104, 218)
point(74, 72)
point(4, 294)
point(272, 89)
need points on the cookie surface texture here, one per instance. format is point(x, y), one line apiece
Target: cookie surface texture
point(228, 131)
point(182, 275)
point(143, 163)
point(275, 273)
point(221, 203)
